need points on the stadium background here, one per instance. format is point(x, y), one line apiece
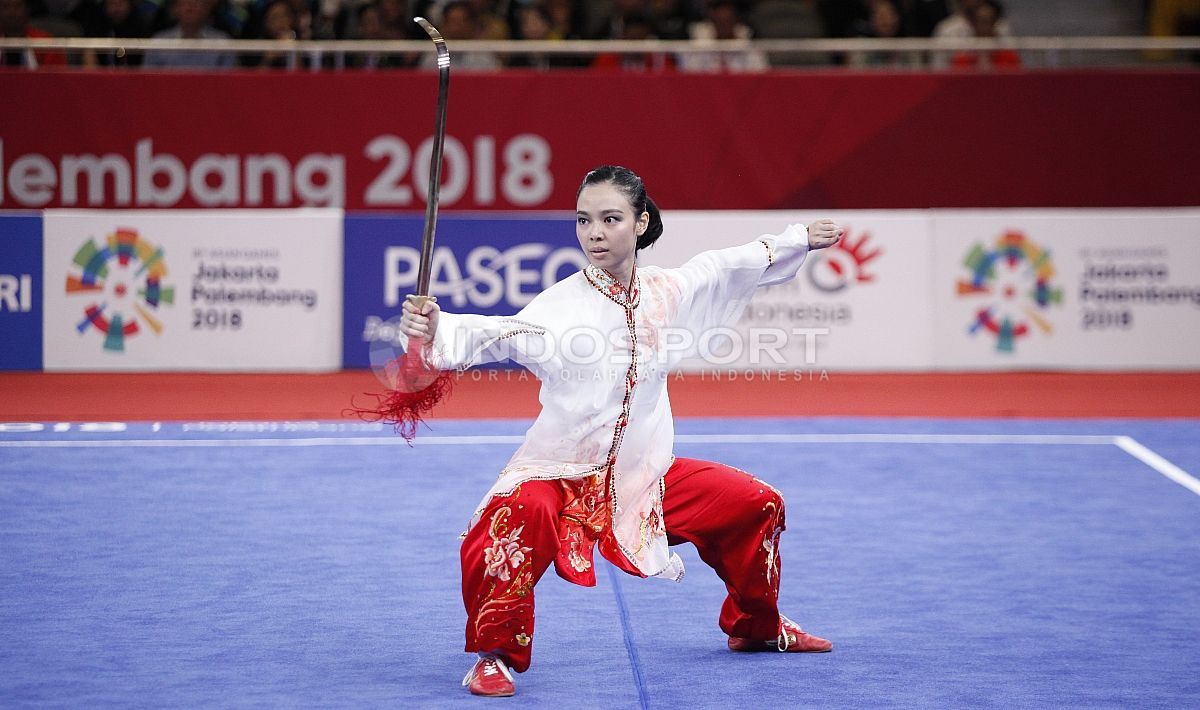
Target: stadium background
point(962, 192)
point(983, 416)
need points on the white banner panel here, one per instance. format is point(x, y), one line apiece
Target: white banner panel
point(1067, 289)
point(864, 304)
point(248, 290)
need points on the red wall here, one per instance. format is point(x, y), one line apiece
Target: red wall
point(782, 140)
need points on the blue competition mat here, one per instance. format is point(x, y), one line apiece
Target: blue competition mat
point(954, 563)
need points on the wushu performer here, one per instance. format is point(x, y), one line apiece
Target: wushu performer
point(596, 467)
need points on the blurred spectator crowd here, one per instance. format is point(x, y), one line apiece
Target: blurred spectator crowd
point(699, 20)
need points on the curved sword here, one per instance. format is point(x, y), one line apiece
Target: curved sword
point(435, 159)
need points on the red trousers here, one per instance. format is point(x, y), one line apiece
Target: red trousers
point(732, 518)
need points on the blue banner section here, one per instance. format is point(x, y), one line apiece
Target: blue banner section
point(21, 292)
point(489, 265)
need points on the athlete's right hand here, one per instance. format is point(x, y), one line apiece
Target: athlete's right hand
point(420, 317)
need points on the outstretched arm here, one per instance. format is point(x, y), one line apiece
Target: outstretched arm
point(462, 340)
point(716, 286)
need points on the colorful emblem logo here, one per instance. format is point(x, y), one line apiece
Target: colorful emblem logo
point(1014, 281)
point(124, 280)
point(845, 263)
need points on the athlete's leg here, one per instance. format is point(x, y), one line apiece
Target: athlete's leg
point(734, 520)
point(503, 557)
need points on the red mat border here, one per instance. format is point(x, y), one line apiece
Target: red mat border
point(509, 394)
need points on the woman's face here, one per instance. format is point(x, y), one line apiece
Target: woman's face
point(607, 229)
point(984, 21)
point(533, 25)
point(279, 21)
point(885, 22)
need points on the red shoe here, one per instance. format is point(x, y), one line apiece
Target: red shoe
point(489, 676)
point(792, 639)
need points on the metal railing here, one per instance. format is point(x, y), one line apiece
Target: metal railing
point(1043, 52)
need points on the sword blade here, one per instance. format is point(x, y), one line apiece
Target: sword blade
point(435, 158)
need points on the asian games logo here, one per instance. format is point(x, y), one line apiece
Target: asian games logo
point(124, 282)
point(1013, 280)
point(837, 268)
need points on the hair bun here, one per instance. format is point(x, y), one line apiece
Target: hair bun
point(654, 230)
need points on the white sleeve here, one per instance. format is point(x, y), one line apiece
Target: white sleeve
point(716, 286)
point(464, 340)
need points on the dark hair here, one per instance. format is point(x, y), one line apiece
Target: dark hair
point(459, 5)
point(634, 190)
point(996, 5)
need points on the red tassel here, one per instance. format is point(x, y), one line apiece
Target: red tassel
point(416, 388)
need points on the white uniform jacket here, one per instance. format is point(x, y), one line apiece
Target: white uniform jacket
point(602, 356)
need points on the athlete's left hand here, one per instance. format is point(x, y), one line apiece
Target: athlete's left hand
point(824, 233)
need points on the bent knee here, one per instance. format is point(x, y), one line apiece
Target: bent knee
point(770, 505)
point(753, 498)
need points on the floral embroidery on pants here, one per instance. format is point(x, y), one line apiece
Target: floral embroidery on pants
point(507, 598)
point(506, 551)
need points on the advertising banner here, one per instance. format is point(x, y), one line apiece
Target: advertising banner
point(915, 290)
point(486, 265)
point(1067, 289)
point(919, 290)
point(187, 290)
point(520, 140)
point(20, 292)
point(862, 304)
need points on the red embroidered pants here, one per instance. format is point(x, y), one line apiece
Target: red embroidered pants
point(732, 518)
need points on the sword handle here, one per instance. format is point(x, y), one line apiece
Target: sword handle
point(419, 300)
